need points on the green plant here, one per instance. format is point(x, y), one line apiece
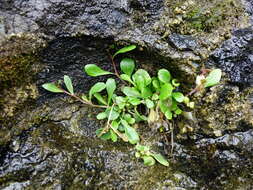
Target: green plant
point(140, 98)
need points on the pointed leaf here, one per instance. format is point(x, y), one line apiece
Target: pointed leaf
point(148, 160)
point(100, 98)
point(213, 78)
point(164, 75)
point(130, 132)
point(98, 87)
point(132, 92)
point(161, 159)
point(51, 87)
point(166, 91)
point(93, 70)
point(110, 88)
point(127, 66)
point(178, 96)
point(125, 49)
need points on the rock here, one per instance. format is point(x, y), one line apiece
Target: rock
point(183, 42)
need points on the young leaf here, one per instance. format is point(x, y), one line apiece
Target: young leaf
point(144, 74)
point(175, 83)
point(139, 81)
point(166, 91)
point(115, 125)
point(106, 136)
point(161, 159)
point(178, 111)
point(100, 98)
point(51, 87)
point(131, 133)
point(110, 88)
point(163, 106)
point(94, 71)
point(178, 96)
point(213, 78)
point(155, 83)
point(68, 84)
point(112, 115)
point(114, 137)
point(142, 148)
point(149, 103)
point(98, 87)
point(101, 116)
point(127, 66)
point(134, 101)
point(168, 114)
point(164, 75)
point(126, 78)
point(148, 160)
point(132, 92)
point(125, 49)
point(146, 92)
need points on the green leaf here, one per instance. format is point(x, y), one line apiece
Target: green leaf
point(149, 103)
point(112, 115)
point(168, 114)
point(68, 84)
point(146, 92)
point(166, 91)
point(106, 136)
point(126, 78)
point(155, 83)
point(125, 49)
point(110, 88)
point(98, 87)
point(131, 92)
point(178, 96)
point(155, 97)
point(52, 87)
point(100, 98)
point(144, 74)
point(148, 160)
point(129, 119)
point(142, 148)
point(134, 101)
point(164, 75)
point(130, 132)
point(114, 137)
point(213, 78)
point(140, 82)
point(175, 83)
point(161, 159)
point(178, 111)
point(127, 66)
point(163, 106)
point(94, 71)
point(101, 116)
point(115, 125)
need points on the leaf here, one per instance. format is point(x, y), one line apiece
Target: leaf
point(140, 82)
point(175, 83)
point(144, 74)
point(164, 75)
point(148, 160)
point(130, 132)
point(68, 84)
point(161, 159)
point(98, 87)
point(163, 106)
point(126, 78)
point(115, 125)
point(146, 92)
point(134, 101)
point(155, 83)
point(149, 103)
point(132, 92)
point(178, 96)
point(178, 111)
point(142, 148)
point(168, 114)
point(105, 136)
point(100, 98)
point(213, 78)
point(166, 91)
point(114, 137)
point(94, 71)
point(101, 116)
point(110, 88)
point(127, 66)
point(51, 87)
point(129, 119)
point(125, 49)
point(112, 115)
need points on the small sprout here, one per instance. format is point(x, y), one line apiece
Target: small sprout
point(94, 71)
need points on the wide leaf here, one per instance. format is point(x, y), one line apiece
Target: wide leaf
point(178, 96)
point(213, 78)
point(110, 88)
point(164, 75)
point(132, 92)
point(166, 91)
point(127, 66)
point(52, 87)
point(148, 160)
point(159, 158)
point(130, 132)
point(144, 74)
point(68, 84)
point(98, 87)
point(94, 71)
point(125, 49)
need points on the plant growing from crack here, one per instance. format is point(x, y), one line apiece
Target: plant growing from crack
point(140, 98)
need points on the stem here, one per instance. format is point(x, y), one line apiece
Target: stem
point(83, 101)
point(108, 123)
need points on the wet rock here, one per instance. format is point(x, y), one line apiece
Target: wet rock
point(235, 57)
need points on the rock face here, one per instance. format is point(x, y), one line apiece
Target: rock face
point(48, 141)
